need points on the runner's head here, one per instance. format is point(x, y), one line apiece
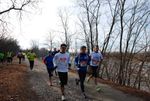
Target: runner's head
point(55, 49)
point(50, 53)
point(96, 48)
point(83, 49)
point(63, 48)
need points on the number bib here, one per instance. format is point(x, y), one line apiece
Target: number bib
point(83, 63)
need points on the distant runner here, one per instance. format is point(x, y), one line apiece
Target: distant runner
point(62, 63)
point(82, 61)
point(54, 52)
point(48, 60)
point(20, 56)
point(31, 56)
point(2, 57)
point(9, 57)
point(96, 58)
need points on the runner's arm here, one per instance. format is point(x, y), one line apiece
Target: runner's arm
point(55, 61)
point(76, 62)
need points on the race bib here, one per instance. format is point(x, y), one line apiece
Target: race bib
point(95, 62)
point(63, 61)
point(83, 63)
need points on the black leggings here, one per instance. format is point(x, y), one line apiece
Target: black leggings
point(31, 64)
point(82, 76)
point(20, 60)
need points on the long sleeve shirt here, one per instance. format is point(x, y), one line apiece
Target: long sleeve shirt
point(48, 60)
point(82, 60)
point(62, 61)
point(96, 57)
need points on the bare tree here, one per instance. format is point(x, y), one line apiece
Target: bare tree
point(50, 40)
point(64, 18)
point(91, 14)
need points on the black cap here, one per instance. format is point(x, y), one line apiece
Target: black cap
point(63, 45)
point(82, 47)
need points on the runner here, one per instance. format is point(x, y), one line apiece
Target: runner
point(48, 60)
point(55, 51)
point(96, 58)
point(31, 56)
point(62, 63)
point(23, 56)
point(2, 57)
point(82, 61)
point(20, 56)
point(9, 57)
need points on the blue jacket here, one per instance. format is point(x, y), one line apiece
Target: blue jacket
point(48, 60)
point(82, 60)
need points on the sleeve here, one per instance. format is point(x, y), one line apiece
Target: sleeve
point(76, 60)
point(44, 60)
point(101, 56)
point(55, 60)
point(69, 62)
point(89, 59)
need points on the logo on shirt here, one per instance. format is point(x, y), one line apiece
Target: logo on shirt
point(62, 60)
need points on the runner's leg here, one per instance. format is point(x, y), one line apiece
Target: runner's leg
point(19, 60)
point(31, 64)
point(82, 76)
point(63, 81)
point(95, 74)
point(50, 75)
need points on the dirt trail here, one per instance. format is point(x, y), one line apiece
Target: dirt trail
point(14, 84)
point(39, 82)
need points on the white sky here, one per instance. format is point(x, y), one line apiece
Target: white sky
point(35, 26)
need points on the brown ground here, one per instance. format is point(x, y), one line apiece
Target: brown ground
point(126, 89)
point(14, 83)
point(17, 84)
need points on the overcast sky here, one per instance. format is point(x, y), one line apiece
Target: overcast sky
point(35, 25)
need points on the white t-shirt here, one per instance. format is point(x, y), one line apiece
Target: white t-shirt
point(96, 57)
point(61, 60)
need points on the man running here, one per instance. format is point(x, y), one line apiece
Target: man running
point(62, 63)
point(48, 60)
point(31, 56)
point(9, 57)
point(82, 61)
point(96, 58)
point(1, 57)
point(20, 55)
point(55, 52)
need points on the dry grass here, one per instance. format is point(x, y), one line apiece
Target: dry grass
point(14, 84)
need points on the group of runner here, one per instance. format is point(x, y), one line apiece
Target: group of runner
point(60, 61)
point(6, 57)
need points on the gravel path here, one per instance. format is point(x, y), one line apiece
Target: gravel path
point(39, 83)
